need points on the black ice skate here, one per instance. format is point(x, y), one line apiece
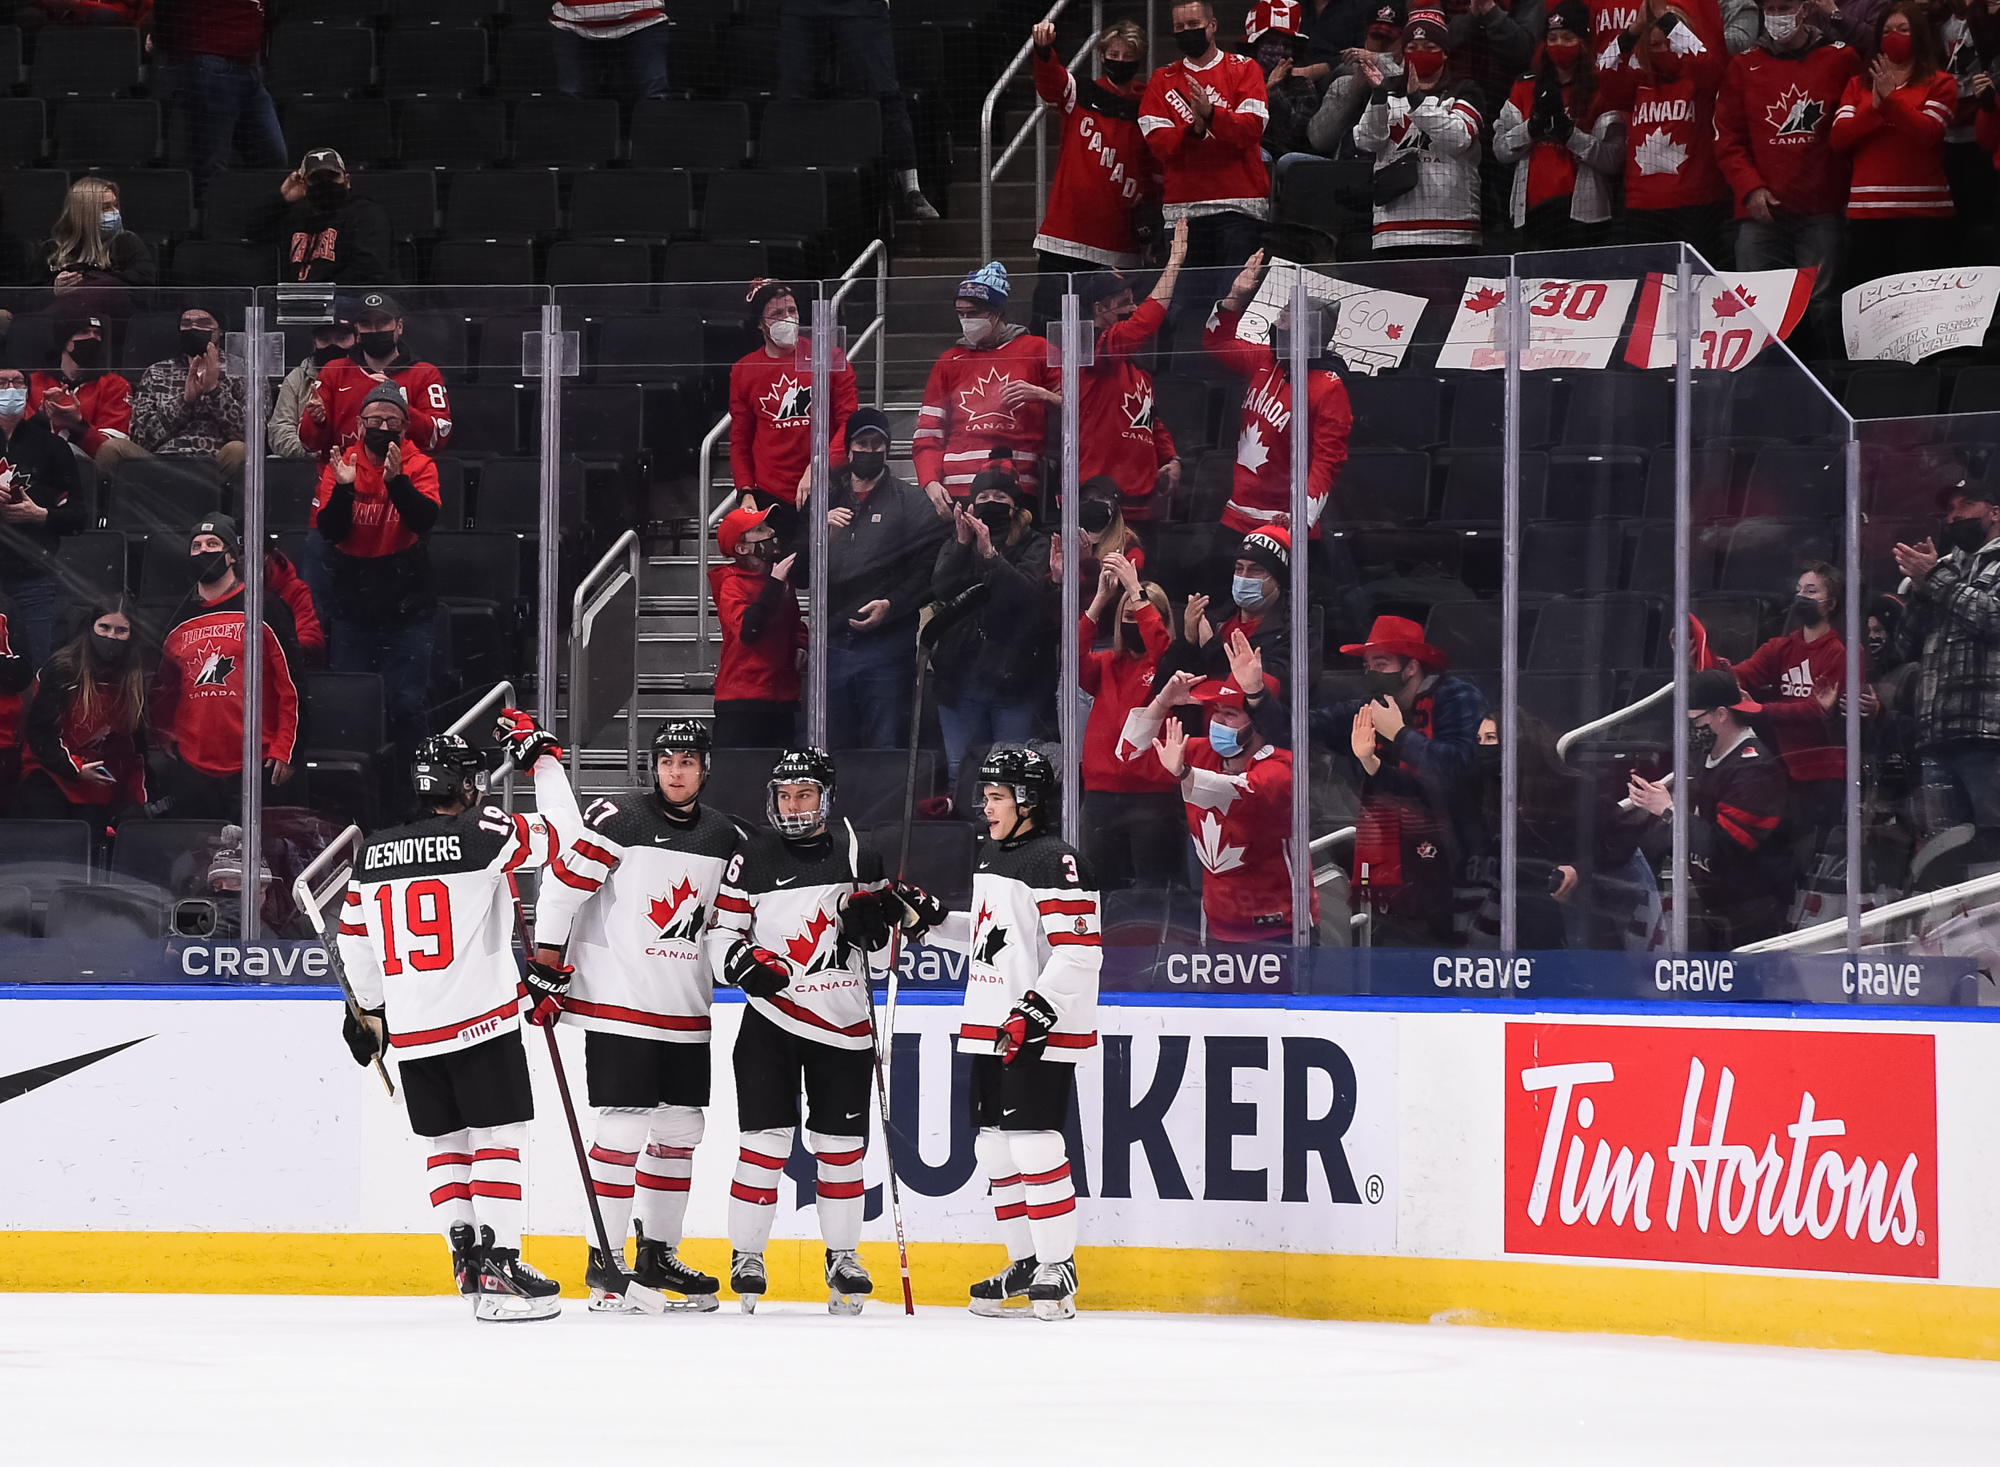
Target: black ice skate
point(607, 1279)
point(661, 1268)
point(511, 1291)
point(1053, 1293)
point(847, 1282)
point(465, 1259)
point(746, 1277)
point(990, 1297)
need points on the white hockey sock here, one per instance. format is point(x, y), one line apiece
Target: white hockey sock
point(614, 1151)
point(497, 1175)
point(1044, 1165)
point(665, 1170)
point(840, 1187)
point(451, 1179)
point(1010, 1199)
point(753, 1195)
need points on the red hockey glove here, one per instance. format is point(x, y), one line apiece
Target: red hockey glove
point(1030, 1023)
point(758, 971)
point(547, 986)
point(523, 739)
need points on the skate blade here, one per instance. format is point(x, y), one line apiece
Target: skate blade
point(514, 1309)
point(846, 1304)
point(691, 1303)
point(748, 1302)
point(1053, 1309)
point(1016, 1307)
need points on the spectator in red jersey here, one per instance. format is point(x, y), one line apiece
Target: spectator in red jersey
point(210, 54)
point(1123, 436)
point(84, 404)
point(1773, 121)
point(331, 341)
point(610, 48)
point(1424, 131)
point(1105, 181)
point(1730, 35)
point(770, 412)
point(376, 505)
point(1203, 118)
point(186, 406)
point(1134, 831)
point(322, 231)
point(85, 731)
point(1892, 122)
point(987, 397)
point(17, 671)
point(197, 698)
point(1563, 147)
point(1261, 577)
point(1665, 79)
point(757, 683)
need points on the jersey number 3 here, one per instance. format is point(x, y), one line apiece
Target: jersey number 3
point(426, 914)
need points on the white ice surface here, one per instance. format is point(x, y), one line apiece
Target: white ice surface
point(155, 1379)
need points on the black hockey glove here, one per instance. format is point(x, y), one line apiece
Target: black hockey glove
point(547, 986)
point(921, 910)
point(365, 1036)
point(523, 739)
point(1030, 1023)
point(866, 916)
point(758, 971)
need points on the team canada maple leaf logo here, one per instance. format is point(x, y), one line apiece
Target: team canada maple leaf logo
point(1215, 856)
point(1484, 299)
point(788, 401)
point(1733, 302)
point(673, 916)
point(1796, 114)
point(1139, 408)
point(985, 949)
point(800, 949)
point(1250, 450)
point(985, 399)
point(1659, 153)
point(215, 671)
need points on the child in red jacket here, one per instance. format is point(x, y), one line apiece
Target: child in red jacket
point(757, 684)
point(1892, 121)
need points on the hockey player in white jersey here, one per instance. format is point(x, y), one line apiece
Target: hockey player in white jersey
point(625, 906)
point(427, 939)
point(800, 909)
point(1030, 1013)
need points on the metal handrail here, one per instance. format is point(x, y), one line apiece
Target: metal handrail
point(1881, 917)
point(305, 890)
point(626, 545)
point(1340, 837)
point(500, 695)
point(878, 251)
point(988, 169)
point(1616, 716)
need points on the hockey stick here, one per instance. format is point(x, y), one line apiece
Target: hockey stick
point(302, 893)
point(927, 640)
point(882, 1086)
point(650, 1301)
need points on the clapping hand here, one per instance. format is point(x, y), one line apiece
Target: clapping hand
point(1194, 621)
point(1655, 799)
point(1915, 561)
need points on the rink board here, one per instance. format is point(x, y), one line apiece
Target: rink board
point(1549, 1165)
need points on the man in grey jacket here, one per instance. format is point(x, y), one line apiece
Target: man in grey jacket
point(335, 339)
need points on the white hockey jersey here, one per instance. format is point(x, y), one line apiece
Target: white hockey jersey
point(627, 902)
point(784, 896)
point(1036, 923)
point(427, 932)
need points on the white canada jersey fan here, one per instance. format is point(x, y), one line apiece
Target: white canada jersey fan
point(784, 896)
point(1035, 924)
point(627, 901)
point(428, 928)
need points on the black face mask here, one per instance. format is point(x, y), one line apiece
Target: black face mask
point(377, 440)
point(324, 354)
point(326, 195)
point(1878, 648)
point(1192, 43)
point(380, 345)
point(1382, 684)
point(1120, 73)
point(867, 463)
point(87, 353)
point(1701, 739)
point(1486, 760)
point(996, 517)
point(211, 566)
point(757, 553)
point(1094, 515)
point(1967, 535)
point(195, 343)
point(109, 651)
point(1806, 611)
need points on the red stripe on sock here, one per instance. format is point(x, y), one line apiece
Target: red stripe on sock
point(1042, 1179)
point(1054, 1209)
point(653, 1182)
point(840, 1189)
point(615, 1158)
point(762, 1196)
point(840, 1158)
point(610, 1189)
point(757, 1158)
point(509, 1190)
point(451, 1192)
point(671, 1153)
point(451, 1158)
point(1011, 1211)
point(998, 1182)
point(497, 1153)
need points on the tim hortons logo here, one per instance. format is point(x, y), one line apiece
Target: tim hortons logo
point(1755, 1148)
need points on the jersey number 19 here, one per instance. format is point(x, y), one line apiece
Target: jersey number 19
point(426, 914)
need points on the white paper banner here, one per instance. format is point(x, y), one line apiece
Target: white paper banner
point(1571, 323)
point(1372, 328)
point(1736, 317)
point(1905, 318)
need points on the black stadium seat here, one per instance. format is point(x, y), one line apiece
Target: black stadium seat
point(690, 261)
point(1570, 560)
point(486, 418)
point(1396, 409)
point(1388, 486)
point(1763, 556)
point(24, 126)
point(166, 570)
point(1596, 483)
point(454, 134)
point(1468, 632)
point(435, 62)
point(101, 134)
point(483, 262)
point(1473, 488)
point(221, 263)
point(289, 487)
point(104, 914)
point(31, 198)
point(156, 201)
point(525, 64)
point(360, 129)
point(91, 564)
point(598, 262)
point(501, 205)
point(85, 61)
point(167, 494)
point(235, 198)
point(344, 743)
point(703, 135)
point(559, 132)
point(1711, 482)
point(408, 196)
point(1594, 632)
point(510, 495)
point(320, 61)
point(1900, 390)
point(1478, 409)
point(820, 135)
point(633, 204)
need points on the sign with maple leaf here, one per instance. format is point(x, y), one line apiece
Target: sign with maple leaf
point(1571, 323)
point(1368, 329)
point(983, 403)
point(1736, 317)
point(1905, 318)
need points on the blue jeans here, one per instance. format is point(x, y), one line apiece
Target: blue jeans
point(629, 68)
point(225, 106)
point(402, 655)
point(869, 678)
point(980, 717)
point(1792, 242)
point(1961, 786)
point(37, 604)
point(861, 31)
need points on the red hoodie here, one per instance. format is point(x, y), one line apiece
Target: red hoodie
point(1780, 676)
point(767, 668)
point(1670, 130)
point(1102, 172)
point(1120, 682)
point(1898, 148)
point(1773, 125)
point(1262, 489)
point(1123, 435)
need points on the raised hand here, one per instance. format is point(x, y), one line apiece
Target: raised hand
point(1171, 746)
point(1246, 663)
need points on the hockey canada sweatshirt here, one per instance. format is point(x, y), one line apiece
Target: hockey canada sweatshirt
point(1262, 488)
point(197, 699)
point(344, 384)
point(965, 417)
point(1898, 148)
point(104, 400)
point(1440, 128)
point(1220, 169)
point(1119, 682)
point(1103, 170)
point(1670, 130)
point(1780, 677)
point(1123, 434)
point(770, 422)
point(1773, 125)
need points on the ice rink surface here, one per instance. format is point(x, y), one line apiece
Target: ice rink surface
point(153, 1379)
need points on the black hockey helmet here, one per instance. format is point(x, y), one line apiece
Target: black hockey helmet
point(685, 736)
point(1026, 771)
point(444, 764)
point(800, 766)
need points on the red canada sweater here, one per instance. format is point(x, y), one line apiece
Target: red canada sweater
point(1123, 435)
point(770, 422)
point(1118, 682)
point(1780, 676)
point(345, 384)
point(1222, 168)
point(1773, 125)
point(1102, 171)
point(963, 419)
point(105, 402)
point(1898, 148)
point(1262, 489)
point(1670, 130)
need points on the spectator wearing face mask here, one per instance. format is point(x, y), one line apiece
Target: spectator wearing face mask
point(1103, 528)
point(1892, 123)
point(1888, 750)
point(987, 397)
point(40, 502)
point(84, 405)
point(187, 405)
point(93, 260)
point(322, 231)
point(1741, 880)
point(330, 342)
point(1275, 45)
point(1424, 133)
point(85, 729)
point(331, 419)
point(1134, 830)
point(1260, 576)
point(1554, 829)
point(763, 635)
point(1331, 131)
point(1563, 148)
point(1773, 126)
point(995, 668)
point(1664, 75)
point(770, 411)
point(1123, 437)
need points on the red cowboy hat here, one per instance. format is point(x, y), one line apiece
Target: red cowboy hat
point(1403, 637)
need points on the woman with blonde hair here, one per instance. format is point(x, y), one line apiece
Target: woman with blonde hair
point(1134, 824)
point(86, 725)
point(90, 250)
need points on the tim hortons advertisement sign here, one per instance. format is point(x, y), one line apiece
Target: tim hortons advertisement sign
point(1757, 1148)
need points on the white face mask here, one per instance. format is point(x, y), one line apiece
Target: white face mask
point(785, 333)
point(1781, 28)
point(977, 328)
point(13, 401)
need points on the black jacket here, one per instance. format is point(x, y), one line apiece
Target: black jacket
point(49, 466)
point(885, 553)
point(1007, 643)
point(350, 246)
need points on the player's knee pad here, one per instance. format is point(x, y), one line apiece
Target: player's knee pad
point(773, 1146)
point(623, 1130)
point(989, 1145)
point(676, 1125)
point(513, 1135)
point(1035, 1152)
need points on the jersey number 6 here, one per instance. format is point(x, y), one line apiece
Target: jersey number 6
point(434, 924)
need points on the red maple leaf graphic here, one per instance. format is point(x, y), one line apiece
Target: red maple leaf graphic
point(983, 399)
point(801, 948)
point(1394, 333)
point(1732, 302)
point(1485, 299)
point(985, 916)
point(663, 909)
